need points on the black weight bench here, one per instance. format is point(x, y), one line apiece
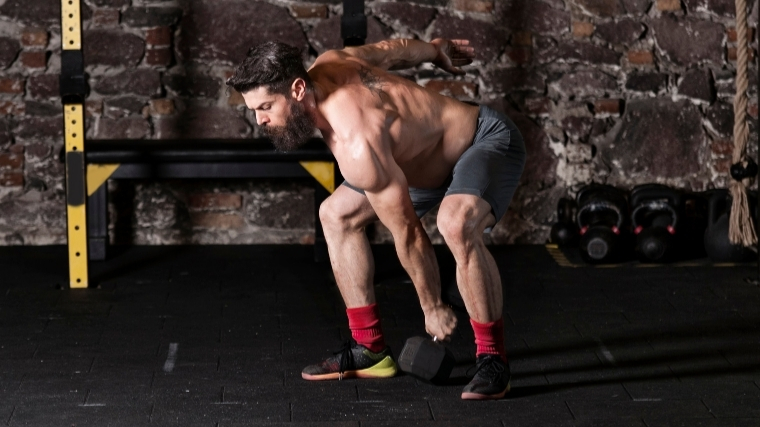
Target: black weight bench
point(196, 159)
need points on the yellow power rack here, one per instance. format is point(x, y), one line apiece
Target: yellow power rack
point(73, 91)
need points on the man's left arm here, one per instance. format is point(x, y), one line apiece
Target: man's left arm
point(398, 54)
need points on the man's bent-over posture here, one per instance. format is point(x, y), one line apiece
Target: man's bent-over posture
point(402, 150)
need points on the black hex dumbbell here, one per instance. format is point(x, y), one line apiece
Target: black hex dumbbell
point(426, 359)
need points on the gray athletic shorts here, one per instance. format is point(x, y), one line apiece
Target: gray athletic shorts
point(490, 168)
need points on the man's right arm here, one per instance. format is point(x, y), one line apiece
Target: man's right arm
point(398, 54)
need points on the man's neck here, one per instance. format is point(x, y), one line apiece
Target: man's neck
point(311, 102)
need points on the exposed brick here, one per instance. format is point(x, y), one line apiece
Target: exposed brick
point(640, 57)
point(11, 108)
point(132, 127)
point(159, 36)
point(722, 147)
point(520, 55)
point(216, 220)
point(454, 88)
point(752, 110)
point(37, 151)
point(722, 166)
point(34, 37)
point(161, 57)
point(733, 36)
point(17, 149)
point(687, 40)
point(44, 86)
point(35, 59)
point(538, 106)
point(8, 50)
point(646, 82)
point(698, 84)
point(668, 5)
point(306, 11)
point(123, 106)
point(196, 85)
point(207, 28)
point(11, 160)
point(732, 54)
point(625, 31)
point(105, 17)
point(161, 107)
point(200, 122)
point(215, 201)
point(602, 7)
point(93, 107)
point(582, 29)
point(487, 39)
point(478, 6)
point(235, 98)
point(414, 17)
point(522, 38)
point(607, 106)
point(11, 179)
point(11, 85)
point(111, 47)
point(139, 81)
point(151, 16)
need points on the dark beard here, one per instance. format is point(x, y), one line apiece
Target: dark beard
point(297, 131)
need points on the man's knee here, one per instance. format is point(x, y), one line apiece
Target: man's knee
point(462, 222)
point(337, 214)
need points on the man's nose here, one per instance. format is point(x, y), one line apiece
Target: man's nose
point(261, 119)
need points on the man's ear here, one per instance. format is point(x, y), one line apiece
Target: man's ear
point(298, 89)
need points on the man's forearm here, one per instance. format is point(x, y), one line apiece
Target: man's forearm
point(418, 259)
point(395, 54)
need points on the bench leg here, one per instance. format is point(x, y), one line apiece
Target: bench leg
point(97, 223)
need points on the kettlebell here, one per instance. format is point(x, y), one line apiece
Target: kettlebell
point(602, 210)
point(565, 232)
point(717, 244)
point(655, 218)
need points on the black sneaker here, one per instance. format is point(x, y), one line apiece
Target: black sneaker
point(491, 379)
point(353, 361)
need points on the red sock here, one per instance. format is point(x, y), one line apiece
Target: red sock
point(364, 323)
point(489, 337)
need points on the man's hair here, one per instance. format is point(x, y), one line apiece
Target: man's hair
point(273, 65)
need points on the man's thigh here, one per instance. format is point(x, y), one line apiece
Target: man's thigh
point(491, 168)
point(348, 204)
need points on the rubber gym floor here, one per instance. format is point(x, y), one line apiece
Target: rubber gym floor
point(217, 336)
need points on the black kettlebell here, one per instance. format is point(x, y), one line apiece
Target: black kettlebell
point(655, 218)
point(565, 232)
point(717, 244)
point(602, 210)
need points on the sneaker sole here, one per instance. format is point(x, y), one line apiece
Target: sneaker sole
point(385, 368)
point(478, 396)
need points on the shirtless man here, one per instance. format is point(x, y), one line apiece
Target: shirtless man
point(402, 150)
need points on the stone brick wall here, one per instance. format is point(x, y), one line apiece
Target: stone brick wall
point(616, 91)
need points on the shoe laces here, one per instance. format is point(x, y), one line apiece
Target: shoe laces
point(346, 357)
point(490, 366)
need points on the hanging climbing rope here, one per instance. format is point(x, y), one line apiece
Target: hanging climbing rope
point(743, 168)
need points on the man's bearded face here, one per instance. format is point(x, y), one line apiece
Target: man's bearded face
point(298, 129)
